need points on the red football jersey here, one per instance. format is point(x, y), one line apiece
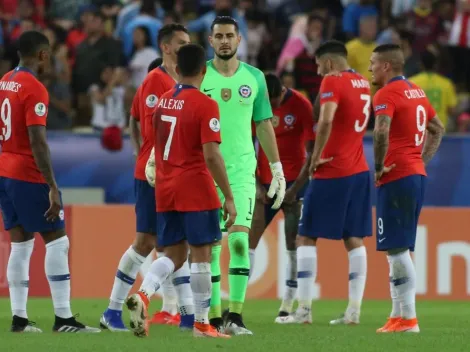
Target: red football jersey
point(351, 92)
point(293, 125)
point(410, 110)
point(156, 83)
point(185, 119)
point(24, 102)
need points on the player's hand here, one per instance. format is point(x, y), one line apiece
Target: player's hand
point(291, 196)
point(278, 185)
point(150, 168)
point(230, 213)
point(316, 162)
point(52, 214)
point(261, 194)
point(385, 170)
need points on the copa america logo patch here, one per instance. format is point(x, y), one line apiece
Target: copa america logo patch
point(151, 101)
point(289, 120)
point(245, 91)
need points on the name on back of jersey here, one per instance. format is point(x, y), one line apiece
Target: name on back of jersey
point(360, 83)
point(171, 104)
point(10, 86)
point(415, 93)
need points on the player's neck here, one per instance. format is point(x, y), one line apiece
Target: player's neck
point(191, 81)
point(170, 68)
point(392, 75)
point(226, 68)
point(32, 66)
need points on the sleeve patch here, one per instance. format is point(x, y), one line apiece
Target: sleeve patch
point(214, 124)
point(40, 109)
point(326, 95)
point(151, 100)
point(380, 107)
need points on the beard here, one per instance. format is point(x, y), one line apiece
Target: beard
point(228, 56)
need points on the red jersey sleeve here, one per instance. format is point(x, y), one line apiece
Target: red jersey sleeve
point(36, 102)
point(210, 125)
point(383, 104)
point(150, 93)
point(329, 91)
point(135, 106)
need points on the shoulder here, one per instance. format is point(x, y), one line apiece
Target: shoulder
point(300, 98)
point(33, 85)
point(255, 72)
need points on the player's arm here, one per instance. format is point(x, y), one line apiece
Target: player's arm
point(41, 153)
point(304, 172)
point(435, 131)
point(381, 139)
point(134, 130)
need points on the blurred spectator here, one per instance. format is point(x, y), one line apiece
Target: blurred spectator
point(77, 34)
point(60, 101)
point(361, 48)
point(257, 36)
point(439, 89)
point(288, 80)
point(142, 55)
point(353, 14)
point(60, 69)
point(412, 61)
point(460, 43)
point(171, 17)
point(146, 19)
point(11, 10)
point(64, 12)
point(391, 34)
point(322, 9)
point(131, 11)
point(401, 7)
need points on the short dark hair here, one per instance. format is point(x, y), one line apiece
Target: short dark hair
point(99, 14)
point(31, 42)
point(429, 60)
point(407, 36)
point(385, 48)
point(313, 17)
point(166, 32)
point(154, 64)
point(225, 20)
point(191, 59)
point(334, 47)
point(274, 85)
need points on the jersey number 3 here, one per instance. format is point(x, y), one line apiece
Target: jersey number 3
point(366, 111)
point(172, 120)
point(5, 114)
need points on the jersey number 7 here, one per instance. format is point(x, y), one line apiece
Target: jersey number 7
point(5, 115)
point(366, 112)
point(172, 120)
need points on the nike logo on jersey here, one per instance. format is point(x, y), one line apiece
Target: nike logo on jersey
point(381, 240)
point(207, 90)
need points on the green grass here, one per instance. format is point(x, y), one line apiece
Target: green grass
point(444, 325)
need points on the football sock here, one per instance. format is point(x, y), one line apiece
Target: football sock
point(169, 296)
point(216, 301)
point(357, 277)
point(201, 286)
point(159, 271)
point(396, 310)
point(239, 270)
point(184, 294)
point(291, 282)
point(252, 261)
point(128, 268)
point(18, 276)
point(58, 275)
point(404, 280)
point(306, 274)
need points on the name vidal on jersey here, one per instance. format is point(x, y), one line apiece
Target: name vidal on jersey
point(171, 104)
point(360, 83)
point(11, 86)
point(414, 93)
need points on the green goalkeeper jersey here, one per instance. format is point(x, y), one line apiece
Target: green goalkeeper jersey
point(241, 98)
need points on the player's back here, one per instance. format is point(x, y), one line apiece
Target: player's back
point(410, 110)
point(351, 92)
point(23, 103)
point(185, 119)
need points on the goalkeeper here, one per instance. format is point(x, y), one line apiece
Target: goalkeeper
point(241, 93)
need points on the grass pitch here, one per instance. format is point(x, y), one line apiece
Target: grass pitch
point(444, 327)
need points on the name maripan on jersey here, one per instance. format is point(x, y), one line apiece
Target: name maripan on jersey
point(360, 83)
point(171, 104)
point(415, 93)
point(10, 86)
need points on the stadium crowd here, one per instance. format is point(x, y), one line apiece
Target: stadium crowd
point(106, 45)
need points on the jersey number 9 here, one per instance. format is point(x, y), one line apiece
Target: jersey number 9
point(172, 120)
point(5, 114)
point(420, 124)
point(366, 111)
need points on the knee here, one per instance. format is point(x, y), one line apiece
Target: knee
point(144, 244)
point(305, 241)
point(238, 246)
point(353, 243)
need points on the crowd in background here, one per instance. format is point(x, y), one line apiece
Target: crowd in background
point(106, 45)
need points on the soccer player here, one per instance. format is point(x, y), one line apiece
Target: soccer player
point(407, 134)
point(240, 91)
point(293, 125)
point(170, 38)
point(30, 200)
point(337, 203)
point(187, 137)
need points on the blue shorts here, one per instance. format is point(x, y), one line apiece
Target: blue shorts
point(24, 204)
point(337, 208)
point(399, 204)
point(270, 213)
point(145, 207)
point(196, 227)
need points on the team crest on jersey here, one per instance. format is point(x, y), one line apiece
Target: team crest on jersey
point(214, 124)
point(380, 107)
point(289, 120)
point(226, 94)
point(40, 109)
point(245, 91)
point(275, 121)
point(151, 100)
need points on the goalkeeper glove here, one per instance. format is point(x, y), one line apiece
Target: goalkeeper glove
point(150, 169)
point(278, 184)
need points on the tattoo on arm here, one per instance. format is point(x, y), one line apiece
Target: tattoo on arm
point(381, 132)
point(41, 153)
point(435, 130)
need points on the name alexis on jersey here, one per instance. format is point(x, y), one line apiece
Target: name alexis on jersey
point(171, 104)
point(10, 86)
point(360, 83)
point(414, 93)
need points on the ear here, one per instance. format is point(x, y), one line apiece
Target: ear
point(177, 70)
point(204, 69)
point(210, 41)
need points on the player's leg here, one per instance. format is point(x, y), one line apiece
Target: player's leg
point(171, 237)
point(180, 280)
point(398, 208)
point(358, 225)
point(258, 225)
point(202, 229)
